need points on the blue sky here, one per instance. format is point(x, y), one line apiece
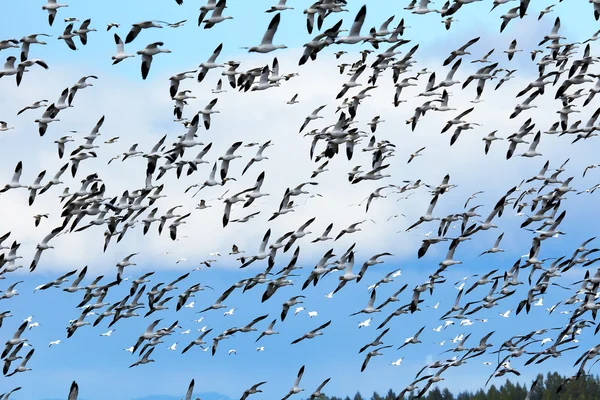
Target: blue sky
point(140, 112)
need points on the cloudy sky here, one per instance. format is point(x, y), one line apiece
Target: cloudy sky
point(141, 111)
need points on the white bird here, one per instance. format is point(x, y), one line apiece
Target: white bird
point(266, 45)
point(107, 333)
point(151, 50)
point(312, 314)
point(210, 63)
point(505, 314)
point(230, 312)
point(397, 362)
point(52, 6)
point(365, 323)
point(53, 343)
point(298, 309)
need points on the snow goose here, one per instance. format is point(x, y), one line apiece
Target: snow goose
point(144, 360)
point(266, 45)
point(8, 43)
point(354, 34)
point(35, 187)
point(68, 36)
point(281, 6)
point(264, 82)
point(81, 84)
point(512, 49)
point(317, 393)
point(137, 28)
point(9, 67)
point(371, 354)
point(216, 16)
point(531, 152)
point(506, 18)
point(14, 183)
point(422, 8)
point(121, 55)
point(83, 31)
point(23, 366)
point(461, 51)
point(227, 158)
point(312, 117)
point(52, 6)
point(295, 389)
point(27, 41)
point(210, 63)
point(176, 79)
point(207, 111)
point(147, 53)
point(21, 68)
point(43, 246)
point(11, 291)
point(255, 388)
point(34, 106)
point(219, 88)
point(4, 126)
point(209, 6)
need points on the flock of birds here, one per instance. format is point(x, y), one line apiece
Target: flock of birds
point(560, 64)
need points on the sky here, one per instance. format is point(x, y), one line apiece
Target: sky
point(140, 111)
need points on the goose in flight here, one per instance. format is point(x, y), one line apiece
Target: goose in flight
point(209, 6)
point(126, 262)
point(23, 366)
point(27, 41)
point(11, 291)
point(253, 389)
point(68, 36)
point(207, 111)
point(137, 28)
point(428, 215)
point(461, 51)
point(422, 7)
point(52, 6)
point(354, 35)
point(81, 84)
point(512, 49)
point(228, 157)
point(296, 389)
point(35, 187)
point(280, 6)
point(218, 304)
point(269, 331)
point(34, 106)
point(371, 354)
point(210, 63)
point(144, 359)
point(312, 117)
point(43, 246)
point(84, 30)
point(216, 16)
point(14, 183)
point(351, 229)
point(266, 45)
point(151, 50)
point(121, 55)
point(258, 157)
point(9, 43)
point(312, 334)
